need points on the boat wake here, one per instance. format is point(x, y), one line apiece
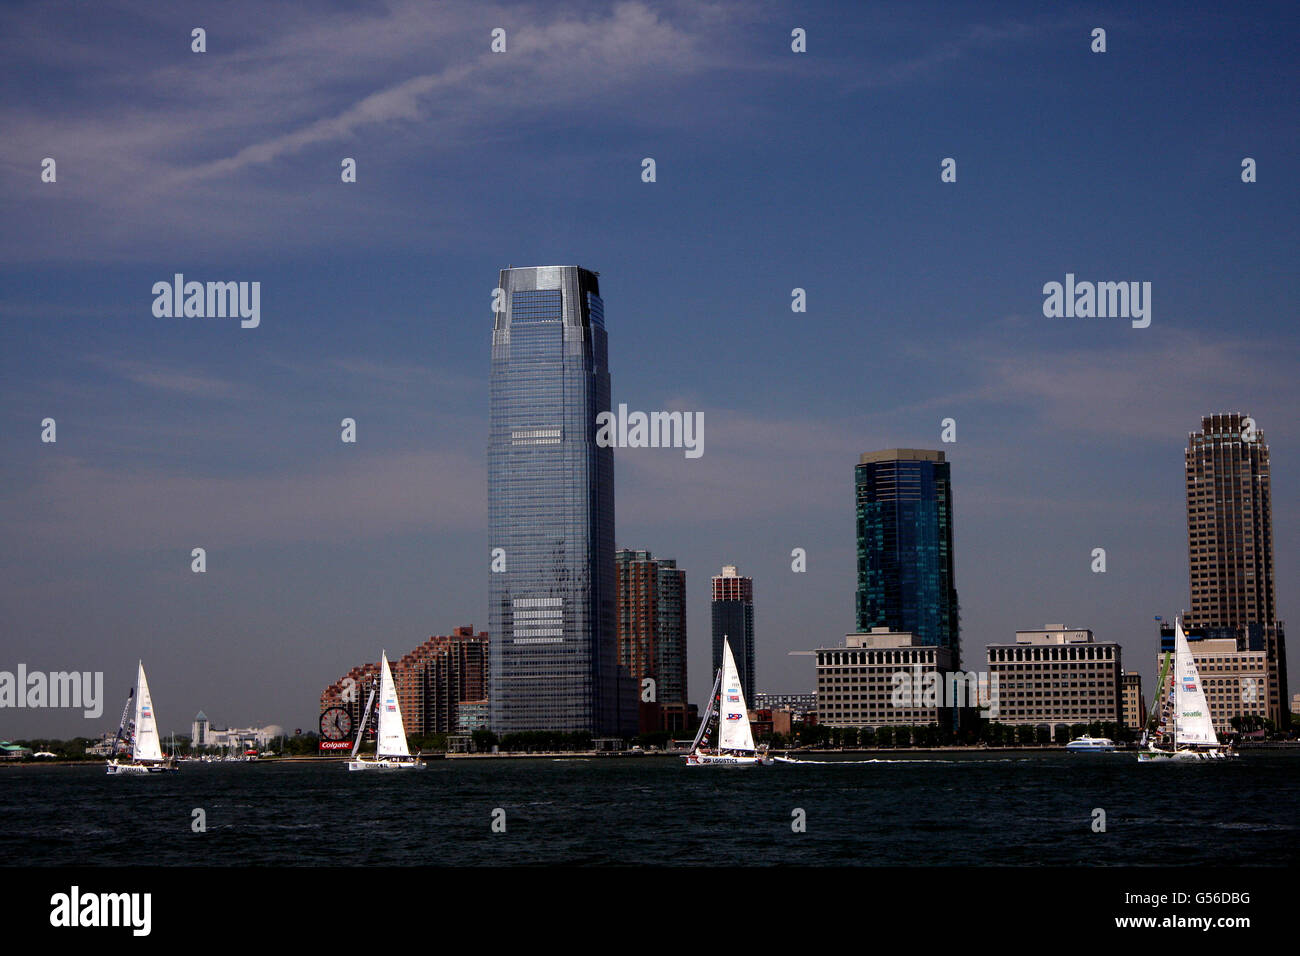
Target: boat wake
point(843, 763)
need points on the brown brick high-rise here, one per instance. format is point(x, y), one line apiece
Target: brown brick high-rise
point(431, 682)
point(1230, 543)
point(651, 596)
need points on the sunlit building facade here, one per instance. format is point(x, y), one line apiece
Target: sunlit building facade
point(1230, 545)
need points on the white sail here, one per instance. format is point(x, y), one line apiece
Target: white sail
point(1194, 723)
point(392, 736)
point(733, 718)
point(147, 745)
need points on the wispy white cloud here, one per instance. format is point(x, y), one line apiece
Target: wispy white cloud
point(150, 153)
point(170, 378)
point(130, 508)
point(158, 146)
point(1148, 386)
point(941, 53)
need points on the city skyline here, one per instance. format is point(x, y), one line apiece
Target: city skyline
point(775, 171)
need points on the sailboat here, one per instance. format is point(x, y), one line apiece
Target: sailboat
point(391, 751)
point(146, 749)
point(735, 738)
point(1190, 735)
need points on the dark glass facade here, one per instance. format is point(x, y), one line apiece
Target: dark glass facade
point(905, 555)
point(553, 650)
point(733, 618)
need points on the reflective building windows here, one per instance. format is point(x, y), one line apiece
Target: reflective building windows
point(551, 509)
point(905, 559)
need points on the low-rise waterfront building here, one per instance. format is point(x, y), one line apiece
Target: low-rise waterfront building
point(1235, 679)
point(104, 747)
point(798, 705)
point(471, 715)
point(1135, 707)
point(203, 734)
point(1057, 675)
point(858, 683)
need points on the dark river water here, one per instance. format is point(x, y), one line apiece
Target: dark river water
point(967, 809)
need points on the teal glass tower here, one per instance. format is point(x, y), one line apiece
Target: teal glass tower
point(905, 556)
point(552, 612)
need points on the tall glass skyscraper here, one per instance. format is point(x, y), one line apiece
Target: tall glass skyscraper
point(733, 619)
point(554, 653)
point(905, 559)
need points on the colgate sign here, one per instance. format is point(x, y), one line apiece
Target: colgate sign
point(334, 745)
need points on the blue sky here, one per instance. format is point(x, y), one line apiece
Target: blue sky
point(775, 170)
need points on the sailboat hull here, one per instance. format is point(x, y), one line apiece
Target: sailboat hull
point(718, 760)
point(386, 763)
point(124, 769)
point(1181, 756)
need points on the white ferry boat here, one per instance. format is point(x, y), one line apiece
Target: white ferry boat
point(1086, 744)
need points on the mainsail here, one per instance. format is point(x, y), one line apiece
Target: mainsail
point(708, 712)
point(733, 718)
point(147, 746)
point(392, 735)
point(1194, 723)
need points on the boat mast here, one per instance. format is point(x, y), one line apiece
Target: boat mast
point(1178, 666)
point(708, 711)
point(365, 715)
point(121, 727)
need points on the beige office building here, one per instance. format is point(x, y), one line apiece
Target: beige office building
point(1057, 675)
point(1235, 682)
point(1135, 707)
point(857, 686)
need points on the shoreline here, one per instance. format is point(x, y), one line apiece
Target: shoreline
point(1276, 745)
point(565, 754)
